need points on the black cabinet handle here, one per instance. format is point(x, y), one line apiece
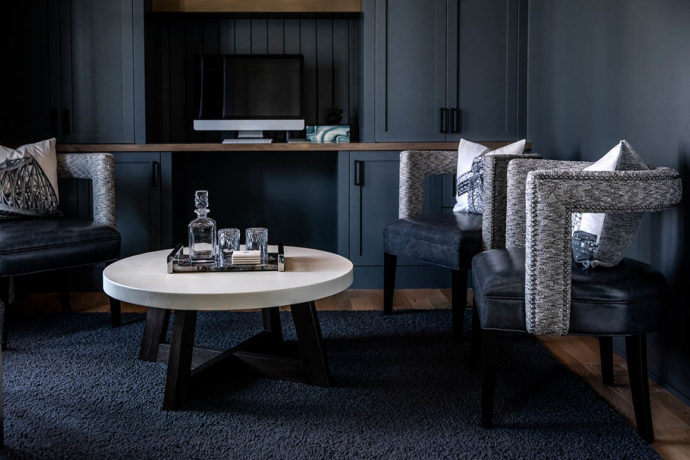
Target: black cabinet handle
point(155, 173)
point(66, 122)
point(359, 172)
point(454, 121)
point(444, 120)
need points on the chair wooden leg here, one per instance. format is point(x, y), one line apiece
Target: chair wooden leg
point(636, 349)
point(606, 355)
point(476, 342)
point(389, 265)
point(115, 312)
point(459, 301)
point(489, 355)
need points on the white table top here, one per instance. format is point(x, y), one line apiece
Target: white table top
point(309, 275)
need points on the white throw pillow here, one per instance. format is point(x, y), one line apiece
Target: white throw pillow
point(470, 155)
point(591, 244)
point(29, 184)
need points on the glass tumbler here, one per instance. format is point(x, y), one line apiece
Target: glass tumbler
point(228, 241)
point(257, 238)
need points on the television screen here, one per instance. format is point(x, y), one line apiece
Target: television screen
point(232, 87)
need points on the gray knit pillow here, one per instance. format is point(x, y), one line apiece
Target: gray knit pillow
point(603, 238)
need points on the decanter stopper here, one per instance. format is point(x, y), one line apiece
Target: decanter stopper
point(201, 199)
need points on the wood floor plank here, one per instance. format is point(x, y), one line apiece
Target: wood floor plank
point(580, 354)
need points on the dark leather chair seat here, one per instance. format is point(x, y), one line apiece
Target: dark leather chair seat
point(449, 241)
point(622, 300)
point(34, 245)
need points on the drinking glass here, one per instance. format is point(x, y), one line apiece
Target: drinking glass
point(228, 241)
point(257, 238)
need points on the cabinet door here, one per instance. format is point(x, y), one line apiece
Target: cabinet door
point(410, 69)
point(483, 83)
point(138, 201)
point(25, 96)
point(98, 77)
point(373, 203)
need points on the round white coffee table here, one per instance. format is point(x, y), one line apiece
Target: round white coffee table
point(309, 275)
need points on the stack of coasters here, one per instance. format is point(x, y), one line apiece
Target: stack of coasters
point(246, 257)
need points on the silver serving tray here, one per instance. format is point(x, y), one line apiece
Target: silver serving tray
point(179, 262)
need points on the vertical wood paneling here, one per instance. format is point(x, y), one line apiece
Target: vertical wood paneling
point(227, 36)
point(308, 49)
point(259, 36)
point(324, 68)
point(341, 68)
point(211, 35)
point(331, 67)
point(275, 36)
point(243, 36)
point(194, 47)
point(210, 44)
point(178, 80)
point(292, 33)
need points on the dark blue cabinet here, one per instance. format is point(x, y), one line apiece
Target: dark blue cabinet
point(74, 70)
point(101, 71)
point(487, 45)
point(410, 69)
point(142, 200)
point(373, 202)
point(25, 80)
point(438, 70)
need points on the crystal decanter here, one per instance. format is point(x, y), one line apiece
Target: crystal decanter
point(202, 231)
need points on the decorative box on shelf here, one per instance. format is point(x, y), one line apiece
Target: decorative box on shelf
point(328, 134)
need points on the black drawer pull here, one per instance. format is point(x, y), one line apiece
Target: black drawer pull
point(359, 172)
point(155, 173)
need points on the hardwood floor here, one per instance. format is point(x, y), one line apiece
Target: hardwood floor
point(580, 354)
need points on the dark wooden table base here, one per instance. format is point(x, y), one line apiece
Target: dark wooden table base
point(266, 354)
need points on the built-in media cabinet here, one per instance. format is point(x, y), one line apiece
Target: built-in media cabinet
point(122, 76)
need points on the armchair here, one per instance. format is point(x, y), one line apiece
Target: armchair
point(448, 241)
point(532, 284)
point(84, 235)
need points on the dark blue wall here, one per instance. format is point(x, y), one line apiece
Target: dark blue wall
point(604, 71)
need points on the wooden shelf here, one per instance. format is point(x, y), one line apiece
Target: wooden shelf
point(257, 6)
point(277, 147)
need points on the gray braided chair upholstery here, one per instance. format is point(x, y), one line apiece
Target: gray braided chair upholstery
point(542, 195)
point(414, 165)
point(100, 168)
point(495, 197)
point(551, 197)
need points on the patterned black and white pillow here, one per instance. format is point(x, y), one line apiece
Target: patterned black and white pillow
point(602, 238)
point(28, 180)
point(470, 176)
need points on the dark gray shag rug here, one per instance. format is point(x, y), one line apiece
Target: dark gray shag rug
point(402, 389)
